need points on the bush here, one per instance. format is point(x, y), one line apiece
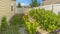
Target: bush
point(17, 20)
point(12, 30)
point(30, 27)
point(4, 24)
point(46, 19)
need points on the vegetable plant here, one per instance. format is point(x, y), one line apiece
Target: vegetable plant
point(46, 19)
point(30, 27)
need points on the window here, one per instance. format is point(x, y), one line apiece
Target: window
point(11, 8)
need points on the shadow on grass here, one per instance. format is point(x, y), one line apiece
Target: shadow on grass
point(16, 22)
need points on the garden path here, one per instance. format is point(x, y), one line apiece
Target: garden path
point(22, 30)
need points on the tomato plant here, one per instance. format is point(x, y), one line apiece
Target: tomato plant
point(46, 19)
point(30, 27)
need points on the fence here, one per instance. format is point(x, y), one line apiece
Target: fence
point(54, 7)
point(22, 10)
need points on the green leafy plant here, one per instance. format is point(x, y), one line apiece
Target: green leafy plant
point(30, 27)
point(59, 14)
point(46, 19)
point(4, 24)
point(17, 20)
point(12, 30)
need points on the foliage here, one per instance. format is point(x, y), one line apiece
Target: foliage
point(17, 20)
point(19, 5)
point(34, 3)
point(4, 24)
point(47, 19)
point(59, 14)
point(12, 30)
point(30, 27)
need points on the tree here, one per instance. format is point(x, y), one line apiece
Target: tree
point(19, 5)
point(34, 3)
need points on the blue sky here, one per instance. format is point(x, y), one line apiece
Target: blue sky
point(26, 2)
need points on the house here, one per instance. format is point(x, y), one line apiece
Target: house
point(48, 2)
point(7, 8)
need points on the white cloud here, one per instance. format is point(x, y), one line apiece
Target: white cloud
point(24, 4)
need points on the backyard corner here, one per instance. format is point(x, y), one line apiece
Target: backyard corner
point(37, 21)
point(30, 17)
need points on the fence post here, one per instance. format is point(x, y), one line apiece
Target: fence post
point(52, 7)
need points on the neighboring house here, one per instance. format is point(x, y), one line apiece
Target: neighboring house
point(48, 2)
point(7, 8)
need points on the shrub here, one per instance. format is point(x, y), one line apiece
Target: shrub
point(46, 19)
point(4, 24)
point(17, 20)
point(30, 27)
point(12, 30)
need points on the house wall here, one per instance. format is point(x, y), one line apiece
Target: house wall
point(5, 9)
point(48, 2)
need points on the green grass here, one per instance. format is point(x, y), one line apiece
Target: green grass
point(12, 30)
